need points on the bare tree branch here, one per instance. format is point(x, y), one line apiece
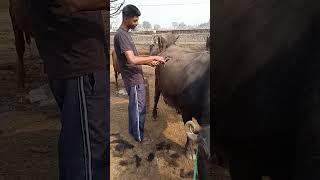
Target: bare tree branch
point(115, 7)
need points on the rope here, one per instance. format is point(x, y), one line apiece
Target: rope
point(195, 169)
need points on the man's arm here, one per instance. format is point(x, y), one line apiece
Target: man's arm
point(138, 60)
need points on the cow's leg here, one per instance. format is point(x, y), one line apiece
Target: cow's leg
point(146, 85)
point(156, 100)
point(116, 77)
point(157, 93)
point(20, 48)
point(115, 67)
point(28, 38)
point(190, 146)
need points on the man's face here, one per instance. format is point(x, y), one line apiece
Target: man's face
point(132, 22)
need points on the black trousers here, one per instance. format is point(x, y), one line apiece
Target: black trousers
point(84, 137)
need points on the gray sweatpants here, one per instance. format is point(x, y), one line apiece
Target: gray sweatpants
point(137, 111)
point(84, 137)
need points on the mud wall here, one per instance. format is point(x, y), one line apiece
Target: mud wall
point(195, 39)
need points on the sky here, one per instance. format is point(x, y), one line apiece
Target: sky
point(164, 12)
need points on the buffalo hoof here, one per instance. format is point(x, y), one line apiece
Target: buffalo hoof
point(191, 155)
point(190, 148)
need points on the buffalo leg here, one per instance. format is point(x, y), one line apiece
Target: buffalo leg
point(190, 146)
point(20, 48)
point(156, 95)
point(116, 77)
point(28, 38)
point(146, 85)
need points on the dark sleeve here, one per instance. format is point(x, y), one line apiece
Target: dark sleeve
point(123, 42)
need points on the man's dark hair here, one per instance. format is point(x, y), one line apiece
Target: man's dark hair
point(130, 11)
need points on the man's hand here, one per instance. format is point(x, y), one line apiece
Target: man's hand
point(154, 63)
point(159, 59)
point(140, 60)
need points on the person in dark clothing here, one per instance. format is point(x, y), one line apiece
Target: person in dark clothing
point(130, 68)
point(74, 50)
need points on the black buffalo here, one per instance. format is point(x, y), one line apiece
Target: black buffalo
point(266, 84)
point(184, 82)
